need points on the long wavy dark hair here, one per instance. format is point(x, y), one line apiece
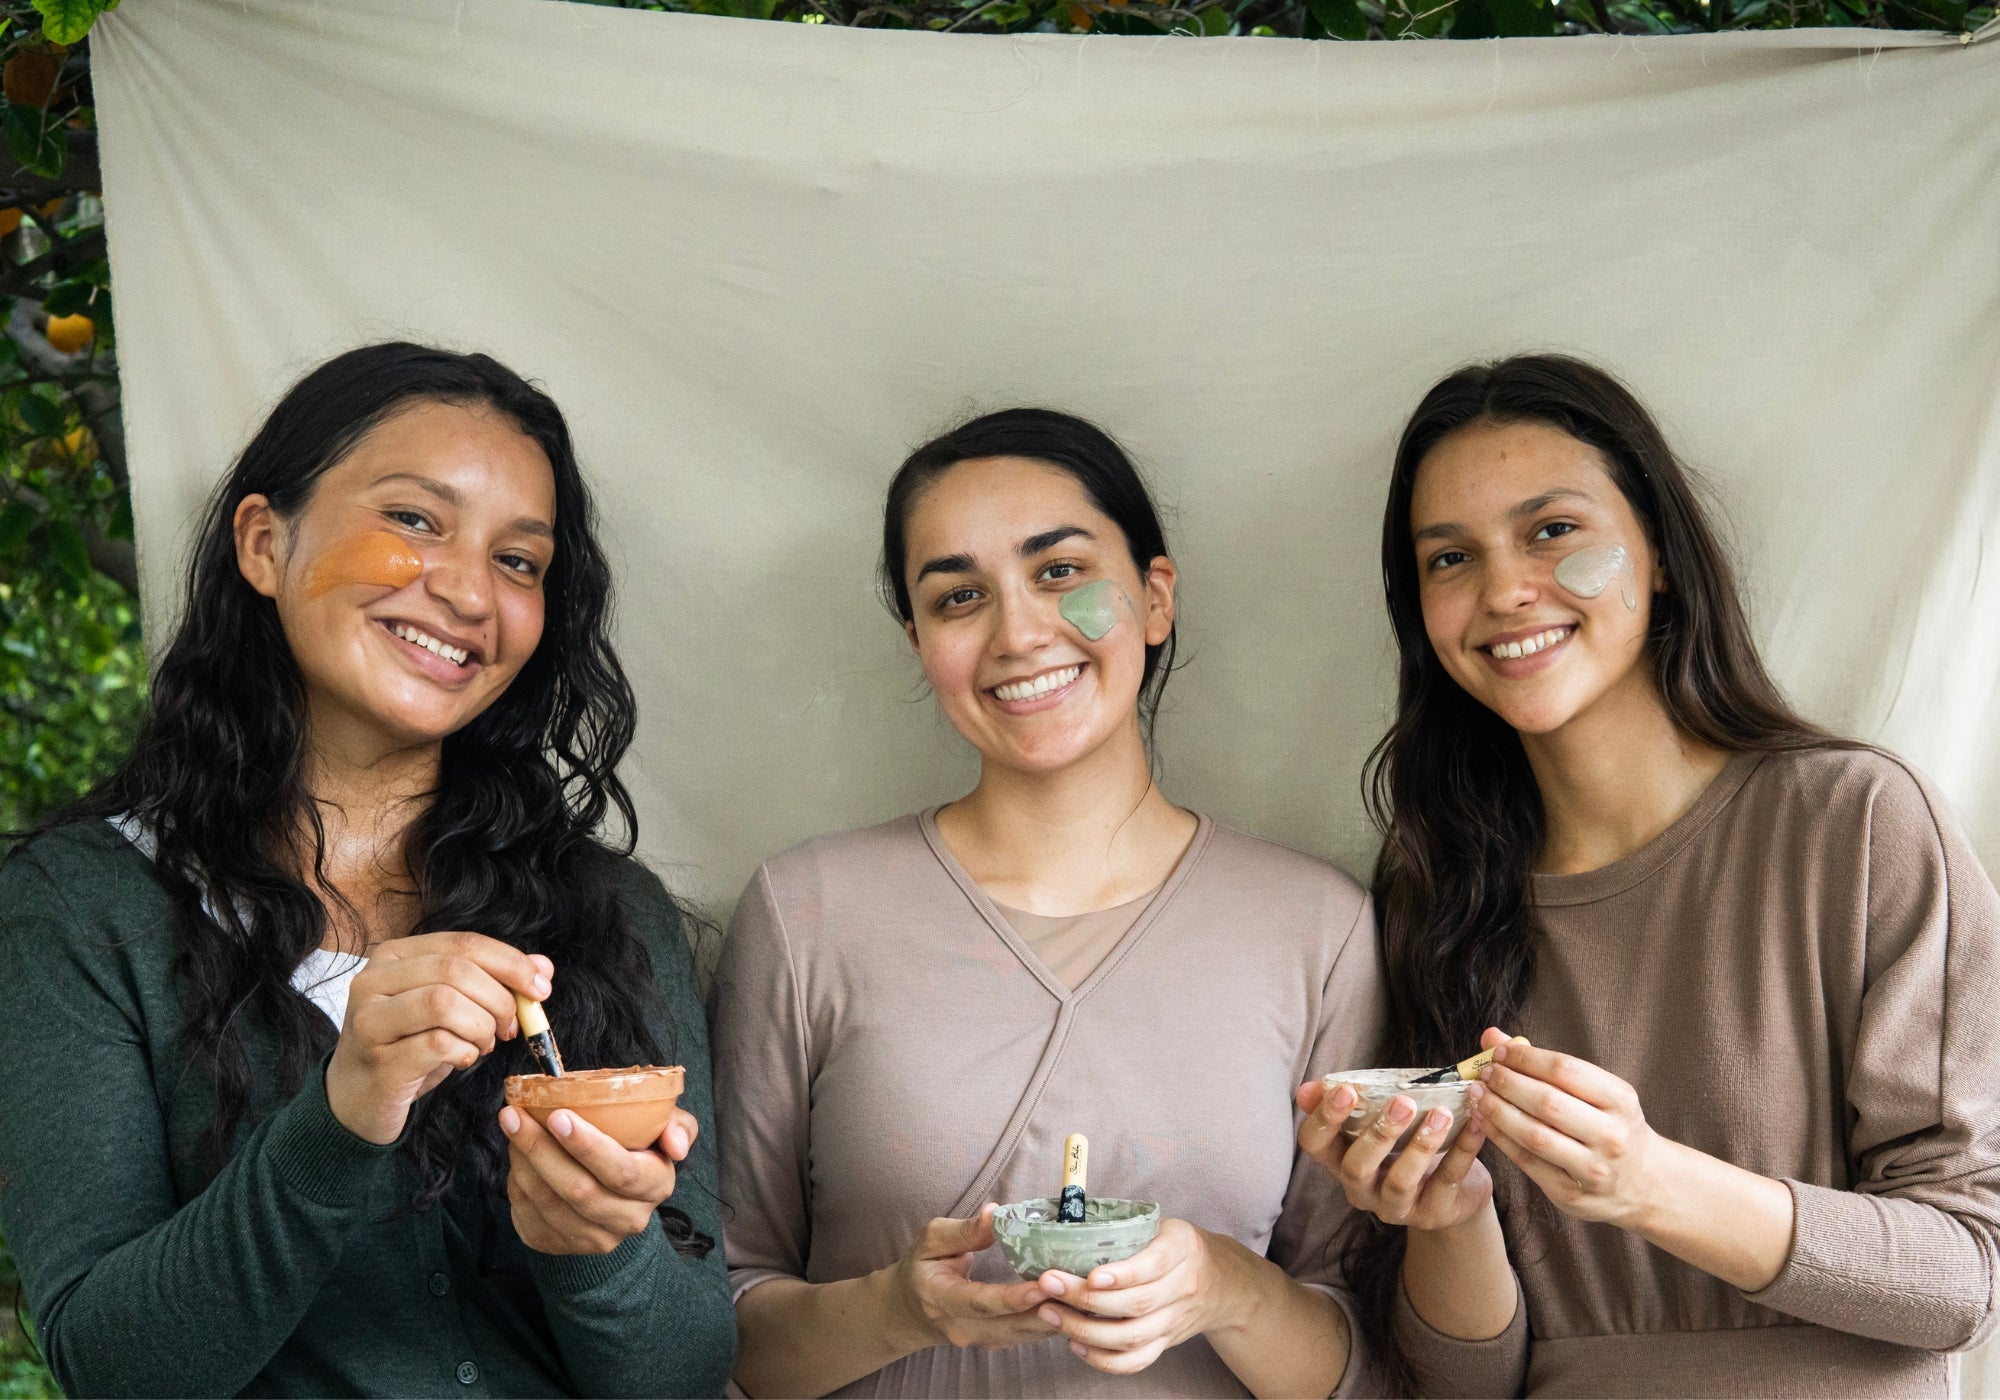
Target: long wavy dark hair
point(507, 844)
point(1070, 444)
point(1449, 785)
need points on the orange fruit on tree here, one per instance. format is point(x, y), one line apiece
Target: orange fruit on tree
point(29, 77)
point(10, 219)
point(70, 334)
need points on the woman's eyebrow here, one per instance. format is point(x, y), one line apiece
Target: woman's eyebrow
point(946, 564)
point(1548, 498)
point(1049, 539)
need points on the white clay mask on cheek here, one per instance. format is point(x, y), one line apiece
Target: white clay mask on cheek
point(1588, 572)
point(1094, 608)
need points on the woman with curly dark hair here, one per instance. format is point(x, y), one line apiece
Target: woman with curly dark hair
point(253, 989)
point(1750, 1148)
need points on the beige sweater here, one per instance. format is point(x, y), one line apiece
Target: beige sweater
point(1800, 976)
point(888, 1051)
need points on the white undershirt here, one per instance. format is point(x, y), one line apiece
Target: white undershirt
point(325, 975)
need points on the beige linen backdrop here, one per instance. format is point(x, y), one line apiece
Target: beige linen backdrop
point(756, 263)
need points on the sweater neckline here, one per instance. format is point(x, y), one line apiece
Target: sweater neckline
point(1160, 899)
point(1589, 886)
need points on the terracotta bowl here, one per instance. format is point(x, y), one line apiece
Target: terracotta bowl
point(631, 1105)
point(1376, 1087)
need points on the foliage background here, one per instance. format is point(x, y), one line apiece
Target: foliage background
point(72, 668)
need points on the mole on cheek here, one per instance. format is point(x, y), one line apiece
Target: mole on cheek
point(377, 558)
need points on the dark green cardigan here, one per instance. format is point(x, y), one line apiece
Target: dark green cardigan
point(292, 1272)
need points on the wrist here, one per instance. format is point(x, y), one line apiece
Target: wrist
point(1650, 1212)
point(1230, 1279)
point(348, 1102)
point(908, 1328)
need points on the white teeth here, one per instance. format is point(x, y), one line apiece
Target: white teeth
point(455, 655)
point(1528, 646)
point(1041, 685)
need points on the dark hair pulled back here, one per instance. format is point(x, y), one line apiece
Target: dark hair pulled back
point(1449, 785)
point(1060, 440)
point(507, 845)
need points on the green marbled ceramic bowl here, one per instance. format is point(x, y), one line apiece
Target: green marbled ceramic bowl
point(1034, 1241)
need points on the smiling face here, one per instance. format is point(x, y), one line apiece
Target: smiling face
point(409, 586)
point(1029, 615)
point(1496, 511)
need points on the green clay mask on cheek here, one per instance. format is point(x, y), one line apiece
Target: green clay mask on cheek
point(1588, 572)
point(1093, 608)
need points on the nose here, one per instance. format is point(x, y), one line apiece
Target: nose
point(1509, 582)
point(1025, 622)
point(458, 577)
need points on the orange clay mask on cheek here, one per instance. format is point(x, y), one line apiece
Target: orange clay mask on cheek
point(378, 558)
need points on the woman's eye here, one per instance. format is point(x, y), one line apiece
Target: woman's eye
point(410, 519)
point(1445, 559)
point(1555, 530)
point(520, 564)
point(958, 597)
point(1061, 570)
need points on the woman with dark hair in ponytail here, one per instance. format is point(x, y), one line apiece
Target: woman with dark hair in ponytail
point(1750, 1147)
point(253, 989)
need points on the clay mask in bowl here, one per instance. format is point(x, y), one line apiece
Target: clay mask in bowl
point(1377, 1086)
point(631, 1105)
point(1034, 1241)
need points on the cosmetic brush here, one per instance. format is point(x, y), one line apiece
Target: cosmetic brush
point(535, 1031)
point(1076, 1162)
point(1464, 1069)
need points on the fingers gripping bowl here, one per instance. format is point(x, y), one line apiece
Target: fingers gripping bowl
point(1035, 1241)
point(1374, 1088)
point(630, 1105)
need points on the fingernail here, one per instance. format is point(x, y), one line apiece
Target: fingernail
point(1102, 1280)
point(510, 1121)
point(513, 1029)
point(542, 988)
point(1499, 1054)
point(542, 962)
point(1475, 1091)
point(560, 1124)
point(1077, 1347)
point(1437, 1121)
point(1051, 1285)
point(678, 1136)
point(1049, 1315)
point(1400, 1111)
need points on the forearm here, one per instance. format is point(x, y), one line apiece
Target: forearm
point(799, 1338)
point(200, 1303)
point(1279, 1336)
point(1459, 1280)
point(641, 1320)
point(1722, 1219)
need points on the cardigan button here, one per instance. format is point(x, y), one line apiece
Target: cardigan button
point(467, 1373)
point(440, 1285)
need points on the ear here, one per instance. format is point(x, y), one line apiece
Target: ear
point(1161, 577)
point(257, 545)
point(910, 632)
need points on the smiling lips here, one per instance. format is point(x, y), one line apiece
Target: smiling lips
point(460, 657)
point(1528, 646)
point(1035, 687)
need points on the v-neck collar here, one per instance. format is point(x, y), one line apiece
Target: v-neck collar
point(988, 910)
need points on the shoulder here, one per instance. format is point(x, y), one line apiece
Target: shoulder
point(1272, 884)
point(84, 871)
point(836, 866)
point(1866, 790)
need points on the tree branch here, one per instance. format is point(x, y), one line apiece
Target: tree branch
point(80, 175)
point(22, 278)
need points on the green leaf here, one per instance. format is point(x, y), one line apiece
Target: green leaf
point(1340, 19)
point(67, 21)
point(38, 415)
point(1502, 19)
point(36, 141)
point(120, 527)
point(1214, 20)
point(69, 298)
point(67, 549)
point(16, 521)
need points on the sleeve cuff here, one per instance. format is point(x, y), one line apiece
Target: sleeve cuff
point(313, 1151)
point(1448, 1365)
point(571, 1275)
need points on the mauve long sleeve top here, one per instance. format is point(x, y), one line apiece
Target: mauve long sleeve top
point(889, 1050)
point(1801, 976)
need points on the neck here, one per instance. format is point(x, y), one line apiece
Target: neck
point(366, 789)
point(1615, 777)
point(1090, 835)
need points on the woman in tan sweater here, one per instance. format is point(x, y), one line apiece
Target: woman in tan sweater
point(1752, 1148)
point(912, 1017)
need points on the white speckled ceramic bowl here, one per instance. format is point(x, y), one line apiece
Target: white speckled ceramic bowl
point(1377, 1086)
point(1034, 1241)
